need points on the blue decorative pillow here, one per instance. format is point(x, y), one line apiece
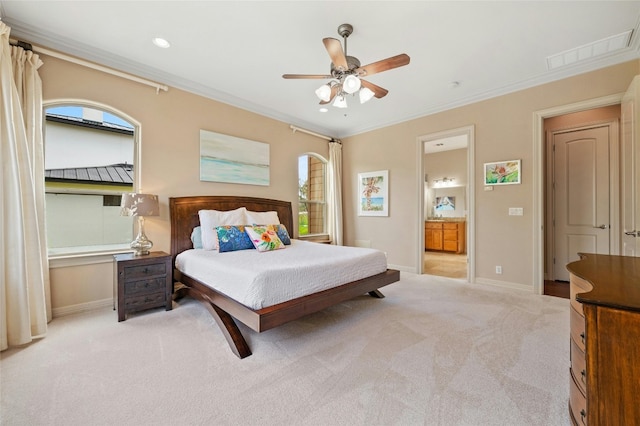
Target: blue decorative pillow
point(232, 238)
point(196, 237)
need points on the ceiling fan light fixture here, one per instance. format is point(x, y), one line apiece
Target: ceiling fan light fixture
point(351, 84)
point(324, 92)
point(365, 94)
point(340, 102)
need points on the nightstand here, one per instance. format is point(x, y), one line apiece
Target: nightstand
point(142, 282)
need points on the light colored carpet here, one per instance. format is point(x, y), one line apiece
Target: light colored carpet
point(435, 351)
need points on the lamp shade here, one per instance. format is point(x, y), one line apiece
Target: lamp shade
point(351, 84)
point(135, 204)
point(365, 94)
point(324, 92)
point(340, 102)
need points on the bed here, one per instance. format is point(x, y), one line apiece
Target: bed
point(226, 309)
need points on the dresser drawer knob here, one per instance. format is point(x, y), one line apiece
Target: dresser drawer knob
point(146, 270)
point(583, 415)
point(583, 376)
point(582, 337)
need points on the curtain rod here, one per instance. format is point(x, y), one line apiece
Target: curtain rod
point(309, 132)
point(91, 65)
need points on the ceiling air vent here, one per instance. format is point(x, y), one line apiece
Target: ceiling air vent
point(588, 51)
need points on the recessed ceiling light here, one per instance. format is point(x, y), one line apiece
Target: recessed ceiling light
point(323, 110)
point(161, 42)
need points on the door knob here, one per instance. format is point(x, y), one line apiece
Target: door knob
point(633, 233)
point(602, 226)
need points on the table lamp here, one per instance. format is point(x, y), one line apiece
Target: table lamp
point(140, 205)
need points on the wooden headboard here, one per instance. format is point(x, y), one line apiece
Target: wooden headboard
point(184, 214)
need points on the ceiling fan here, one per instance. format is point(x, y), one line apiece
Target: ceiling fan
point(347, 73)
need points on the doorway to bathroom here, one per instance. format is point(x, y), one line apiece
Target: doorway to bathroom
point(446, 214)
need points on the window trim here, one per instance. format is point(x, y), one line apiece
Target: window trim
point(322, 236)
point(92, 256)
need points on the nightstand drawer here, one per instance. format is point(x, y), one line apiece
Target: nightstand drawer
point(147, 286)
point(143, 271)
point(144, 301)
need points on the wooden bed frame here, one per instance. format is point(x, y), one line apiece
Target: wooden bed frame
point(184, 217)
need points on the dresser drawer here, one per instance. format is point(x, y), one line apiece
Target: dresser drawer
point(578, 367)
point(577, 404)
point(144, 301)
point(577, 328)
point(144, 271)
point(576, 286)
point(431, 225)
point(147, 286)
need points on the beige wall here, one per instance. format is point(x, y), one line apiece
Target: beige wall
point(503, 131)
point(170, 146)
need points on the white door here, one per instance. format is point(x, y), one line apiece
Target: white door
point(630, 171)
point(581, 195)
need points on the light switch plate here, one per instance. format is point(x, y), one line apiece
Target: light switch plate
point(516, 211)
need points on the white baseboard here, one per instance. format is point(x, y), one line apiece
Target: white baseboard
point(82, 307)
point(505, 284)
point(403, 268)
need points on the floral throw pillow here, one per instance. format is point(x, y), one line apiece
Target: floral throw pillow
point(264, 238)
point(233, 238)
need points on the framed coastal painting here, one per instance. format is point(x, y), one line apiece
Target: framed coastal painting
point(373, 193)
point(230, 159)
point(502, 173)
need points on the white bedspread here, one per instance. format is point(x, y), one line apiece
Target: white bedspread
point(258, 280)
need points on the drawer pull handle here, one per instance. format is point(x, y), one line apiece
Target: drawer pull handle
point(583, 376)
point(146, 270)
point(147, 299)
point(582, 337)
point(583, 414)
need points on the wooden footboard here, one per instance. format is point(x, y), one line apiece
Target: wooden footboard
point(225, 309)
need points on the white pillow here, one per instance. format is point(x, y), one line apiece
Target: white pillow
point(262, 218)
point(209, 219)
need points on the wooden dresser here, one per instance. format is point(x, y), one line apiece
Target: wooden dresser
point(444, 236)
point(605, 340)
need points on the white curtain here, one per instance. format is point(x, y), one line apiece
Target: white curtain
point(25, 306)
point(334, 193)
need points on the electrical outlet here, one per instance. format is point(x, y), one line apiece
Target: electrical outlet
point(498, 270)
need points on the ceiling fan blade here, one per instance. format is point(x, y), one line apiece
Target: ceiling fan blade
point(334, 48)
point(292, 76)
point(378, 91)
point(334, 92)
point(384, 65)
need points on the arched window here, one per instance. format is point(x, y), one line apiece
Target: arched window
point(90, 160)
point(312, 189)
